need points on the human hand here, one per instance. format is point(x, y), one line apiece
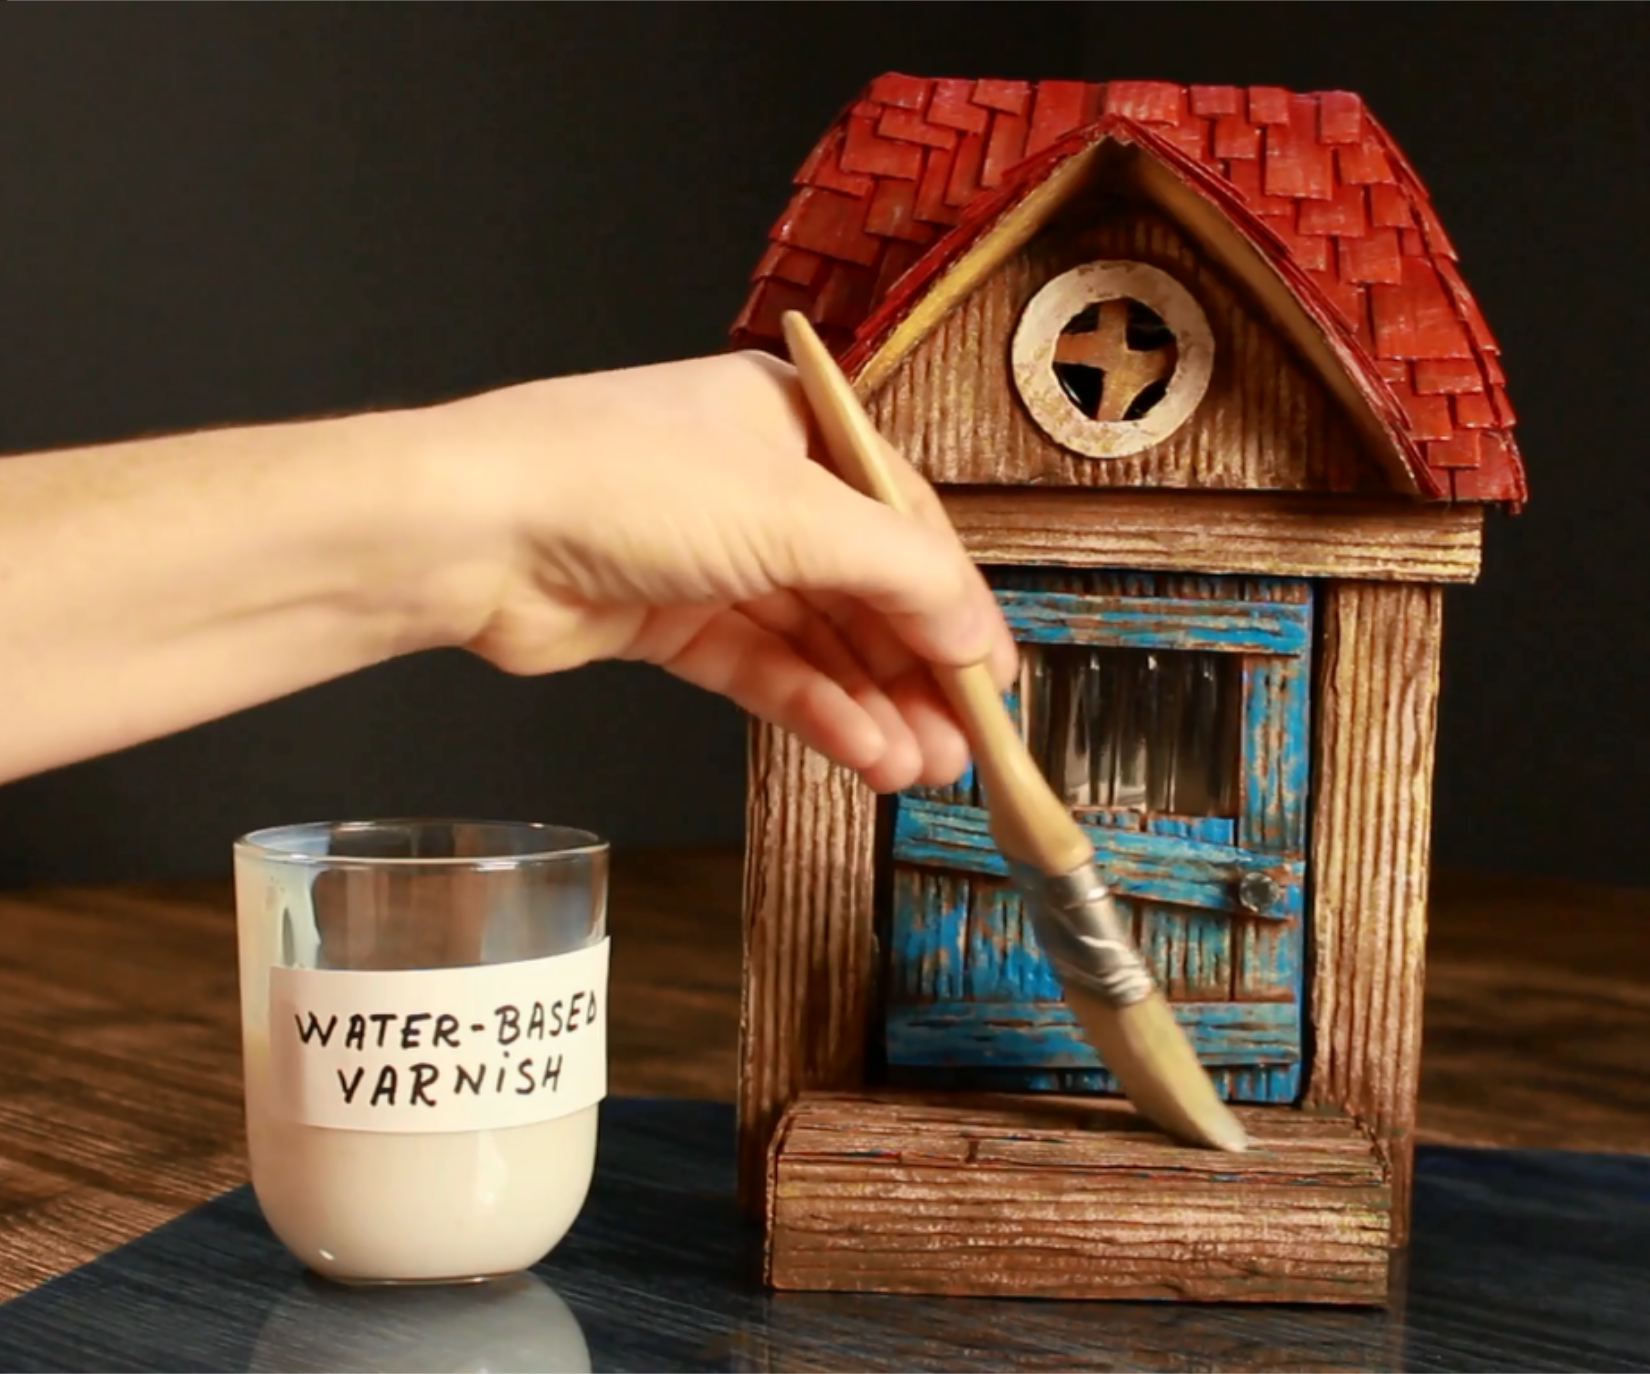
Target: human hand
point(675, 514)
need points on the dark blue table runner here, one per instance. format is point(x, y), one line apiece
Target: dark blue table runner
point(1522, 1260)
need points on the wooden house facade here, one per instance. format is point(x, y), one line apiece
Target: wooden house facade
point(1199, 381)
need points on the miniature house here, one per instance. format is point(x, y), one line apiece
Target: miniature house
point(1207, 398)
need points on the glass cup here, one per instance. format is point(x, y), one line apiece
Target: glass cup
point(424, 1030)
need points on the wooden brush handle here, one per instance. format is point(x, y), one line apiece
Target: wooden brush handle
point(1028, 821)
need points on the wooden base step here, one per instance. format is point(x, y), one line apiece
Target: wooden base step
point(1061, 1197)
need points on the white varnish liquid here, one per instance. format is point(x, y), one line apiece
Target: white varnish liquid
point(375, 1206)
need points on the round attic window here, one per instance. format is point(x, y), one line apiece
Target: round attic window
point(1112, 357)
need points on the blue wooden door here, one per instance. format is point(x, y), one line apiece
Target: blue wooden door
point(1172, 714)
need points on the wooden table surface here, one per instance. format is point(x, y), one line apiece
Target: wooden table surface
point(120, 1080)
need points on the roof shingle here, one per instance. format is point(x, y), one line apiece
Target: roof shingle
point(915, 169)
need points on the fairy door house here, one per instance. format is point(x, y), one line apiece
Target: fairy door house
point(1205, 394)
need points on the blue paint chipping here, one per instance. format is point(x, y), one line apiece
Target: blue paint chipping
point(1004, 961)
point(972, 1002)
point(1043, 1035)
point(1139, 864)
point(1210, 829)
point(1158, 623)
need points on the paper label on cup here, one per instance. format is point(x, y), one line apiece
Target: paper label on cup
point(454, 1049)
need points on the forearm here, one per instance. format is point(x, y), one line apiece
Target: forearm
point(150, 586)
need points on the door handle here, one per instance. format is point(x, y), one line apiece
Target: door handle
point(1258, 892)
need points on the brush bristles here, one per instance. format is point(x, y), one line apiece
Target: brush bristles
point(1154, 1063)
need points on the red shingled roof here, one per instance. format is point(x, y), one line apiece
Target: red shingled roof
point(915, 170)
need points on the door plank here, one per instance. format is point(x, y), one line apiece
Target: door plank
point(1276, 750)
point(930, 918)
point(1136, 864)
point(1004, 961)
point(1276, 1083)
point(1270, 960)
point(1045, 1035)
point(1242, 627)
point(1189, 951)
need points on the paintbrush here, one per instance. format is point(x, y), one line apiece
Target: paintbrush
point(1106, 983)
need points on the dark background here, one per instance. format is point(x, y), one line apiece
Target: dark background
point(234, 213)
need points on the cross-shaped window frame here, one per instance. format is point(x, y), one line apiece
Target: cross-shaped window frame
point(1037, 345)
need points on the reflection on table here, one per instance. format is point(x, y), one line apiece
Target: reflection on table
point(516, 1324)
point(1523, 1260)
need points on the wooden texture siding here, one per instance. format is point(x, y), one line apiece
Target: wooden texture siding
point(809, 871)
point(1265, 424)
point(1377, 703)
point(1048, 1197)
point(1282, 534)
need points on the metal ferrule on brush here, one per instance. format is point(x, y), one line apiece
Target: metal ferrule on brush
point(1083, 934)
